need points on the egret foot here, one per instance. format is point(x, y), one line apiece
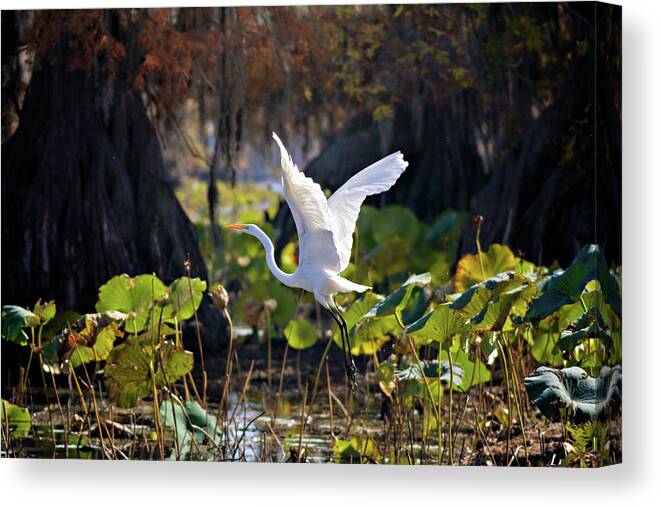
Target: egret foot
point(352, 375)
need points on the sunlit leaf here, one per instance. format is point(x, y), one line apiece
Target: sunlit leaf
point(472, 269)
point(301, 334)
point(15, 419)
point(45, 311)
point(289, 257)
point(439, 325)
point(359, 449)
point(99, 351)
point(475, 371)
point(184, 297)
point(386, 375)
point(543, 340)
point(495, 313)
point(396, 301)
point(88, 339)
point(366, 335)
point(134, 296)
point(475, 299)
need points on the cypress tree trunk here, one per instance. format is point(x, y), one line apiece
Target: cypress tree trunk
point(85, 195)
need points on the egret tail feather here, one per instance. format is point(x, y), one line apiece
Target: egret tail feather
point(345, 285)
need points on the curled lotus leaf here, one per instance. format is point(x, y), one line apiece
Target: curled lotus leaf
point(14, 319)
point(90, 338)
point(552, 390)
point(430, 370)
point(569, 339)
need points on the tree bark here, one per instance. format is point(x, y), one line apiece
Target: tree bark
point(85, 195)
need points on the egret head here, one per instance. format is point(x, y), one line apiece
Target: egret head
point(243, 228)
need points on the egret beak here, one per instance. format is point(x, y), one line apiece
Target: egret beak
point(236, 227)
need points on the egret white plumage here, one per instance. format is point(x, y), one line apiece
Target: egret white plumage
point(325, 232)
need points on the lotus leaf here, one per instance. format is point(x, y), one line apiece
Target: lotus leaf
point(361, 449)
point(301, 334)
point(284, 296)
point(565, 287)
point(586, 397)
point(474, 300)
point(366, 335)
point(45, 311)
point(133, 366)
point(442, 323)
point(14, 319)
point(395, 220)
point(17, 418)
point(184, 297)
point(90, 338)
point(430, 370)
point(569, 339)
point(448, 224)
point(134, 296)
point(417, 304)
point(475, 371)
point(472, 269)
point(398, 299)
point(188, 422)
point(495, 313)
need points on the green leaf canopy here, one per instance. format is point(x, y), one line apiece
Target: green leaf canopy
point(565, 287)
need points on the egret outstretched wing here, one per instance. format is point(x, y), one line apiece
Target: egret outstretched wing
point(313, 218)
point(345, 203)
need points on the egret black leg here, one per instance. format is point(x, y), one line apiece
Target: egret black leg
point(350, 366)
point(341, 329)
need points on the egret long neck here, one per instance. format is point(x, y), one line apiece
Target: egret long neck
point(283, 277)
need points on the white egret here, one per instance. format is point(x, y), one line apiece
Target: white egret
point(325, 233)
